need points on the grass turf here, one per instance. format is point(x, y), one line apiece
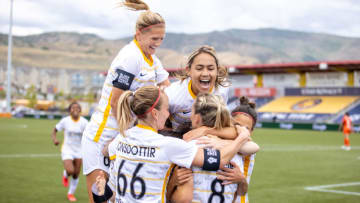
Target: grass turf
point(289, 161)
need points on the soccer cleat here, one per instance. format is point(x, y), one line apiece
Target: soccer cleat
point(65, 181)
point(348, 148)
point(343, 147)
point(71, 198)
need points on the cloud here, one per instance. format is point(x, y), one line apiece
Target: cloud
point(186, 16)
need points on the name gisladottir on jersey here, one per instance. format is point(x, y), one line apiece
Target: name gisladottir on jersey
point(135, 150)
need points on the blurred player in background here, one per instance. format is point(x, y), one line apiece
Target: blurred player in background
point(73, 127)
point(134, 66)
point(346, 127)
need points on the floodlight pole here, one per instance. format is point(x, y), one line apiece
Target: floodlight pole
point(8, 92)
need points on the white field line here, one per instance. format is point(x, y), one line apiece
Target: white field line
point(4, 156)
point(324, 188)
point(305, 148)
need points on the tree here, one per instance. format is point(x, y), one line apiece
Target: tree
point(31, 96)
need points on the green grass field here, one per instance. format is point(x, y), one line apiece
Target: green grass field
point(289, 161)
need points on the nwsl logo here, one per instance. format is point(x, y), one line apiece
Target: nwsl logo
point(306, 104)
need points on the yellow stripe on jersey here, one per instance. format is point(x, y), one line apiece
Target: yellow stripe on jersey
point(148, 60)
point(103, 123)
point(205, 173)
point(113, 157)
point(144, 81)
point(150, 179)
point(165, 182)
point(146, 127)
point(105, 126)
point(142, 160)
point(246, 168)
point(190, 90)
point(209, 191)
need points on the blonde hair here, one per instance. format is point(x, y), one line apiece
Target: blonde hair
point(222, 73)
point(147, 18)
point(212, 110)
point(137, 103)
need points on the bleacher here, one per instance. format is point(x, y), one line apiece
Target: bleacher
point(305, 109)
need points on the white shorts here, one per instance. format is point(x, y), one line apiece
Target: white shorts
point(93, 157)
point(70, 153)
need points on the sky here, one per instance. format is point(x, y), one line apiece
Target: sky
point(106, 19)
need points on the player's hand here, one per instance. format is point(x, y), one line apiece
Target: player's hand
point(243, 133)
point(231, 176)
point(195, 133)
point(56, 142)
point(100, 183)
point(182, 175)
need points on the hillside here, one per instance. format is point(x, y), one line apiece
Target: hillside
point(234, 47)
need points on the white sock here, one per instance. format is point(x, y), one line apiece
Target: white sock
point(73, 185)
point(65, 174)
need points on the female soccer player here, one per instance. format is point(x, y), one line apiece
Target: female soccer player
point(244, 115)
point(134, 66)
point(73, 127)
point(144, 158)
point(203, 74)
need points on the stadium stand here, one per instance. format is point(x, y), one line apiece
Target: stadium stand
point(304, 109)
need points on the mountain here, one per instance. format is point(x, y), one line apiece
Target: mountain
point(234, 47)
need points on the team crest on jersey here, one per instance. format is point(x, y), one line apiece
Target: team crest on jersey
point(306, 104)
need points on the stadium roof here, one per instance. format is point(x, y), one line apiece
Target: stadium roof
point(291, 67)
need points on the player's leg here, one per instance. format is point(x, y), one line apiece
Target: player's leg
point(93, 163)
point(75, 179)
point(68, 166)
point(346, 141)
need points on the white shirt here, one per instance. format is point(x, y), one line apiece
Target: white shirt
point(181, 99)
point(207, 188)
point(144, 160)
point(130, 70)
point(73, 130)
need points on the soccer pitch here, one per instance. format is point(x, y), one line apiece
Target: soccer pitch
point(293, 166)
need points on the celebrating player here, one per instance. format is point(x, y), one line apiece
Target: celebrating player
point(73, 127)
point(134, 66)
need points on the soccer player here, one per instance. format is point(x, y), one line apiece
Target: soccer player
point(134, 66)
point(346, 126)
point(144, 158)
point(203, 74)
point(73, 127)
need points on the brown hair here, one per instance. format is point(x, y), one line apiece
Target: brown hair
point(222, 72)
point(137, 103)
point(147, 18)
point(246, 107)
point(212, 110)
point(73, 103)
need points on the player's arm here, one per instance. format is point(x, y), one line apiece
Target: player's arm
point(180, 185)
point(53, 137)
point(115, 94)
point(165, 83)
point(222, 156)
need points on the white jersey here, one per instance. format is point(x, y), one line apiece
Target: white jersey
point(73, 131)
point(181, 99)
point(144, 160)
point(249, 162)
point(130, 70)
point(207, 188)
